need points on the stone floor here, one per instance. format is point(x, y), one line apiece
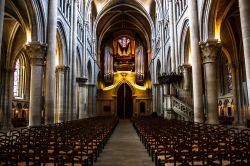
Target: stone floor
point(124, 148)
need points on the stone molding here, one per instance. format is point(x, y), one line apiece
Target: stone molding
point(62, 68)
point(81, 80)
point(209, 50)
point(185, 68)
point(36, 52)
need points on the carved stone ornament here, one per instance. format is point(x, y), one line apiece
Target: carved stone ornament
point(185, 68)
point(36, 52)
point(81, 79)
point(209, 50)
point(169, 78)
point(62, 68)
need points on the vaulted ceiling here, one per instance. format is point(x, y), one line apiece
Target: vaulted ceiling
point(132, 15)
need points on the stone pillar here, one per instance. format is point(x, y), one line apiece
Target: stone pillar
point(209, 54)
point(167, 101)
point(245, 28)
point(161, 24)
point(90, 101)
point(187, 76)
point(196, 62)
point(2, 5)
point(7, 98)
point(73, 64)
point(82, 101)
point(172, 36)
point(60, 115)
point(50, 64)
point(67, 96)
point(36, 51)
point(82, 97)
point(85, 49)
point(154, 97)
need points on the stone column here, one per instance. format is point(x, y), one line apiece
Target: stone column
point(2, 5)
point(85, 49)
point(50, 63)
point(90, 101)
point(36, 51)
point(167, 101)
point(209, 54)
point(73, 64)
point(60, 115)
point(7, 98)
point(245, 27)
point(196, 62)
point(172, 36)
point(187, 76)
point(82, 101)
point(161, 23)
point(82, 97)
point(67, 90)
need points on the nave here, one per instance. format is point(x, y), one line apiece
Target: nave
point(124, 148)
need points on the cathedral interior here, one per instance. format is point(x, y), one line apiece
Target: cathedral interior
point(94, 64)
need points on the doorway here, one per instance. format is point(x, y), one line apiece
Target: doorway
point(124, 102)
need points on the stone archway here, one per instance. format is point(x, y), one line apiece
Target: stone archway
point(124, 101)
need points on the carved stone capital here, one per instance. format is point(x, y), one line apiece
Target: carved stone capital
point(36, 52)
point(209, 50)
point(81, 80)
point(62, 68)
point(185, 68)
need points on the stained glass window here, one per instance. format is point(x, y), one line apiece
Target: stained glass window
point(229, 79)
point(16, 78)
point(19, 78)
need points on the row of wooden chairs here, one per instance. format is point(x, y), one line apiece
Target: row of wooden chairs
point(172, 142)
point(76, 142)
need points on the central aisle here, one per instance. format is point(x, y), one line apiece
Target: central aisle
point(124, 148)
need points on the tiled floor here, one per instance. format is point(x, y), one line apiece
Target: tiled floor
point(124, 148)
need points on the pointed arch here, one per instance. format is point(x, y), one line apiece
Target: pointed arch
point(124, 82)
point(78, 63)
point(184, 37)
point(90, 72)
point(62, 43)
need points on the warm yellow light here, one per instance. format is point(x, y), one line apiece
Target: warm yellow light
point(189, 56)
point(57, 56)
point(100, 4)
point(146, 4)
point(125, 77)
point(217, 32)
point(28, 35)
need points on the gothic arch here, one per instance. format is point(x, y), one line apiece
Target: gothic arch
point(168, 61)
point(61, 38)
point(78, 63)
point(37, 16)
point(183, 40)
point(206, 9)
point(24, 26)
point(90, 72)
point(214, 12)
point(158, 70)
point(123, 82)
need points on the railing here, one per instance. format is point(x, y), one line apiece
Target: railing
point(182, 109)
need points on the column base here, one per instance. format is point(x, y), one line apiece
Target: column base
point(168, 114)
point(212, 122)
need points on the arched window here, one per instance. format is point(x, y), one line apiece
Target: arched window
point(226, 85)
point(19, 78)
